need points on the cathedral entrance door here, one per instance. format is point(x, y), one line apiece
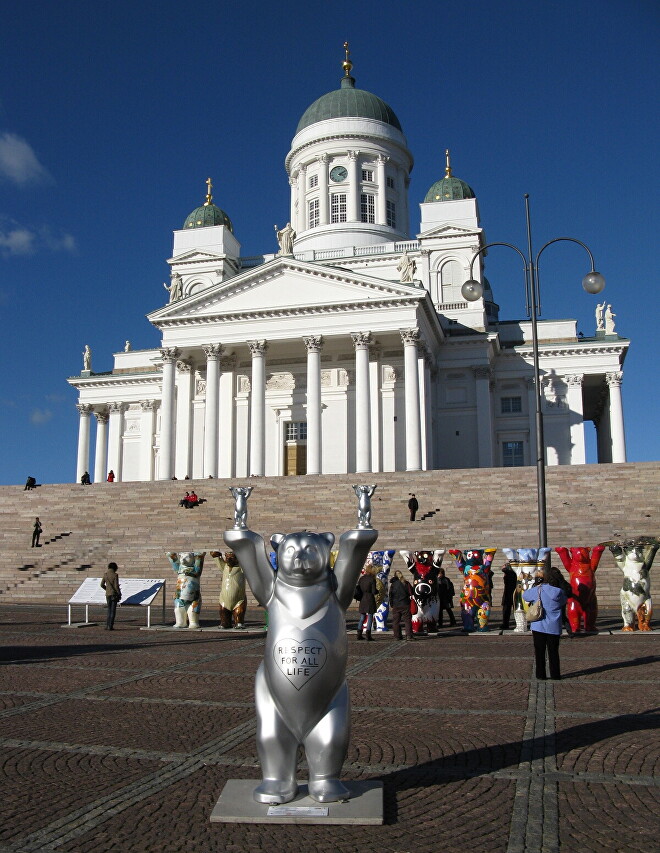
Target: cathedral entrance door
point(295, 455)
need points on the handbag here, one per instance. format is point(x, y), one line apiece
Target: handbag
point(535, 611)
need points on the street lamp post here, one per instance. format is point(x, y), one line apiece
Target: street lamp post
point(472, 290)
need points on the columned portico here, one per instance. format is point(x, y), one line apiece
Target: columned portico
point(410, 339)
point(166, 452)
point(617, 431)
point(101, 451)
point(314, 436)
point(213, 353)
point(483, 377)
point(258, 408)
point(361, 341)
point(82, 463)
point(115, 433)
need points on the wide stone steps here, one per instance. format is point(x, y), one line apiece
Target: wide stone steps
point(135, 524)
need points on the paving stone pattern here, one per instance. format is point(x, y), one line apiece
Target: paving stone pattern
point(123, 741)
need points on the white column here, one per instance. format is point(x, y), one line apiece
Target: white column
point(616, 416)
point(531, 419)
point(324, 214)
point(381, 206)
point(361, 341)
point(314, 344)
point(258, 409)
point(375, 399)
point(183, 420)
point(295, 203)
point(410, 338)
point(115, 433)
point(147, 436)
point(353, 200)
point(213, 353)
point(425, 363)
point(166, 452)
point(101, 452)
point(302, 200)
point(227, 448)
point(82, 462)
point(576, 419)
point(483, 376)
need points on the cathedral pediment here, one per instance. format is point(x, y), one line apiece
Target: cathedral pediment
point(286, 285)
point(195, 256)
point(448, 229)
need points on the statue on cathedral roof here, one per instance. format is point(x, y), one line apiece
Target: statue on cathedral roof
point(407, 268)
point(285, 239)
point(87, 357)
point(175, 289)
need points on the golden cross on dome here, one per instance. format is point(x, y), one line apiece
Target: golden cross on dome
point(347, 65)
point(448, 164)
point(209, 197)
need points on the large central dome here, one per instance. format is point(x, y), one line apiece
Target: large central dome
point(348, 102)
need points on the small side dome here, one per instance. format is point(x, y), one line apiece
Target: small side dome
point(208, 214)
point(348, 102)
point(449, 188)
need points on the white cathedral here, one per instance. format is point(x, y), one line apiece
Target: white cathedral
point(351, 349)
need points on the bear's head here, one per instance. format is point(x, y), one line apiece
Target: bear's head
point(187, 558)
point(303, 558)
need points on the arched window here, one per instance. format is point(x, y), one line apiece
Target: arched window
point(452, 278)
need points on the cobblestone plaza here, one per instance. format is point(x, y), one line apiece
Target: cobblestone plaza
point(123, 741)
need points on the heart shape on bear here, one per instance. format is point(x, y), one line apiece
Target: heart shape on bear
point(299, 660)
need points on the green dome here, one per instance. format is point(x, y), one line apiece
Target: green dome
point(449, 189)
point(207, 215)
point(348, 102)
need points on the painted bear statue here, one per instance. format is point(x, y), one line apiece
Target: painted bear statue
point(635, 557)
point(383, 562)
point(232, 601)
point(188, 566)
point(301, 692)
point(475, 595)
point(424, 566)
point(581, 565)
point(527, 563)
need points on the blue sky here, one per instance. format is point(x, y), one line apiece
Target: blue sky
point(113, 114)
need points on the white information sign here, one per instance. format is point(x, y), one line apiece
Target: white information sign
point(134, 591)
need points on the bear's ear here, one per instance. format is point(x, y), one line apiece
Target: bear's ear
point(275, 540)
point(329, 538)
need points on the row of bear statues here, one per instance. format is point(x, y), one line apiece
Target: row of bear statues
point(433, 592)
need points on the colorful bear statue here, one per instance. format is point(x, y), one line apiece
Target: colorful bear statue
point(424, 566)
point(527, 563)
point(581, 565)
point(383, 561)
point(635, 557)
point(232, 601)
point(188, 566)
point(474, 564)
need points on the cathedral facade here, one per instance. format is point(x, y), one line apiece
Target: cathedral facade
point(352, 348)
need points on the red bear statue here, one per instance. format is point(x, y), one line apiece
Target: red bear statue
point(581, 566)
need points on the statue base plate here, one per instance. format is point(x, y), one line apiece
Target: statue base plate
point(235, 805)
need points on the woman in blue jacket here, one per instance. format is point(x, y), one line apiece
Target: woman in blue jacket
point(547, 631)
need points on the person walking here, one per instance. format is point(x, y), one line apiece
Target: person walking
point(547, 631)
point(446, 594)
point(400, 595)
point(413, 506)
point(36, 533)
point(367, 608)
point(110, 583)
point(510, 579)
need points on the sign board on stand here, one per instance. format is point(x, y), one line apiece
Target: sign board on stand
point(134, 591)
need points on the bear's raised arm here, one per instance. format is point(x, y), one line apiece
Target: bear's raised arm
point(354, 545)
point(250, 551)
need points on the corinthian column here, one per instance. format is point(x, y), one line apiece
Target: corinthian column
point(361, 341)
point(115, 432)
point(381, 207)
point(616, 416)
point(483, 377)
point(575, 406)
point(166, 453)
point(314, 438)
point(101, 454)
point(213, 353)
point(410, 339)
point(258, 408)
point(82, 463)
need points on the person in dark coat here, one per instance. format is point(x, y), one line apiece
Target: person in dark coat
point(110, 583)
point(400, 595)
point(367, 608)
point(446, 597)
point(413, 506)
point(510, 580)
point(36, 533)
